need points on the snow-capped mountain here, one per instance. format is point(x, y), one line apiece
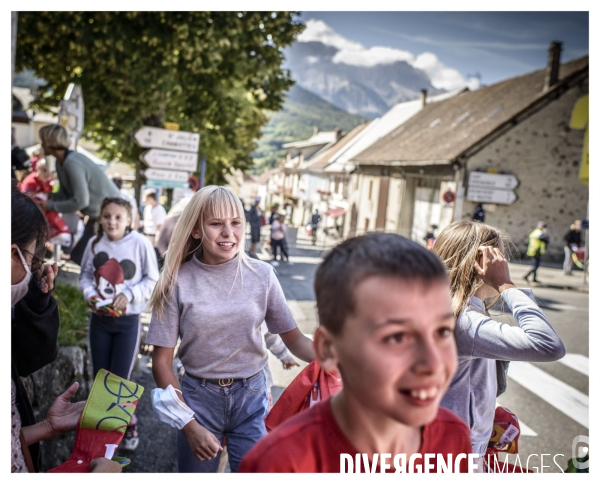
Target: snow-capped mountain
point(362, 81)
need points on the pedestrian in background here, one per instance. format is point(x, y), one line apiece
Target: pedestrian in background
point(572, 243)
point(479, 213)
point(476, 258)
point(38, 181)
point(314, 224)
point(154, 217)
point(20, 161)
point(430, 236)
point(538, 240)
point(278, 231)
point(118, 274)
point(255, 219)
point(83, 185)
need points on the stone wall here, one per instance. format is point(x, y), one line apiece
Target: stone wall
point(72, 364)
point(545, 155)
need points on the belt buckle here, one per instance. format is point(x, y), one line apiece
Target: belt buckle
point(225, 382)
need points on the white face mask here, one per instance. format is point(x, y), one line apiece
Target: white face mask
point(18, 290)
point(169, 408)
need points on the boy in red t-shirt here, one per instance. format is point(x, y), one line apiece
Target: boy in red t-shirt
point(387, 325)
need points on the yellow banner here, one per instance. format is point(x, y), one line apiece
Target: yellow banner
point(580, 120)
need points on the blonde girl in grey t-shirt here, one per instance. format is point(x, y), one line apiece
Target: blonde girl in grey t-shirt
point(475, 256)
point(215, 298)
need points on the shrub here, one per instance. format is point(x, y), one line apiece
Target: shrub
point(74, 315)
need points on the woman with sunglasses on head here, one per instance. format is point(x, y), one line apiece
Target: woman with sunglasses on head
point(34, 336)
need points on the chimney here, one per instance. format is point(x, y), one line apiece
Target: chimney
point(423, 98)
point(315, 130)
point(553, 65)
point(338, 133)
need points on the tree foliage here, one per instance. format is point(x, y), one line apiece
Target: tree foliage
point(215, 73)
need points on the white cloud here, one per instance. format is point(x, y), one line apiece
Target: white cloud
point(373, 56)
point(354, 53)
point(319, 31)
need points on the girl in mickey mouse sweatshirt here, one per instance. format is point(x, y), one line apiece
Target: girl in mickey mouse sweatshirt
point(118, 273)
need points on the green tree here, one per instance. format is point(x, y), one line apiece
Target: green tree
point(214, 73)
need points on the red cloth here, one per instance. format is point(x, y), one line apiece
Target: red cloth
point(89, 445)
point(312, 442)
point(32, 184)
point(297, 396)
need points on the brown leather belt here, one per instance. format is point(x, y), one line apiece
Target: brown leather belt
point(222, 382)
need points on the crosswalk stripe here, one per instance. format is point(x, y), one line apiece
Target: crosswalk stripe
point(577, 362)
point(526, 430)
point(296, 310)
point(570, 401)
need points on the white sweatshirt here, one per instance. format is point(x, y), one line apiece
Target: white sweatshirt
point(126, 266)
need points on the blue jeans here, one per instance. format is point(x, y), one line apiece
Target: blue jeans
point(115, 343)
point(237, 412)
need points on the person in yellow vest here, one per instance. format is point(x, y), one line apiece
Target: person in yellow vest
point(536, 248)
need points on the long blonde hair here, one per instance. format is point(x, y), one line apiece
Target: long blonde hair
point(212, 200)
point(457, 245)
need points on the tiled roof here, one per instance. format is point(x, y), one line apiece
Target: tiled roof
point(321, 160)
point(322, 138)
point(380, 127)
point(443, 130)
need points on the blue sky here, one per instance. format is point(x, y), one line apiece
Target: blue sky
point(496, 45)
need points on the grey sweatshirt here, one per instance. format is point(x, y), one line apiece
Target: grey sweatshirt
point(480, 342)
point(218, 310)
point(83, 186)
point(125, 266)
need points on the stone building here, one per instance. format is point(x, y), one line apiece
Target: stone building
point(519, 127)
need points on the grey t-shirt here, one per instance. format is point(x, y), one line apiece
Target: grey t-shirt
point(217, 310)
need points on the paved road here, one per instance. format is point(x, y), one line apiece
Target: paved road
point(550, 399)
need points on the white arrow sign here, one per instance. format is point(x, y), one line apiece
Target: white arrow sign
point(487, 195)
point(166, 175)
point(149, 137)
point(492, 180)
point(173, 160)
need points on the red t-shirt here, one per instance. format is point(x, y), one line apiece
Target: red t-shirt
point(32, 184)
point(312, 442)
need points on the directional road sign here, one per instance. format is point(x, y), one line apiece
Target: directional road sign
point(487, 195)
point(172, 160)
point(166, 175)
point(166, 184)
point(491, 180)
point(150, 137)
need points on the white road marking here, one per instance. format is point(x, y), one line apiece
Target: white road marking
point(296, 310)
point(527, 431)
point(570, 401)
point(577, 362)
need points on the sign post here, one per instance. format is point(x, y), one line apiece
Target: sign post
point(72, 112)
point(172, 155)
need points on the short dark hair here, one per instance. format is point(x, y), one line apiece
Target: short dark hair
point(356, 259)
point(118, 181)
point(28, 223)
point(151, 195)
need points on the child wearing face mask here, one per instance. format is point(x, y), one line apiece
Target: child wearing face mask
point(215, 298)
point(118, 273)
